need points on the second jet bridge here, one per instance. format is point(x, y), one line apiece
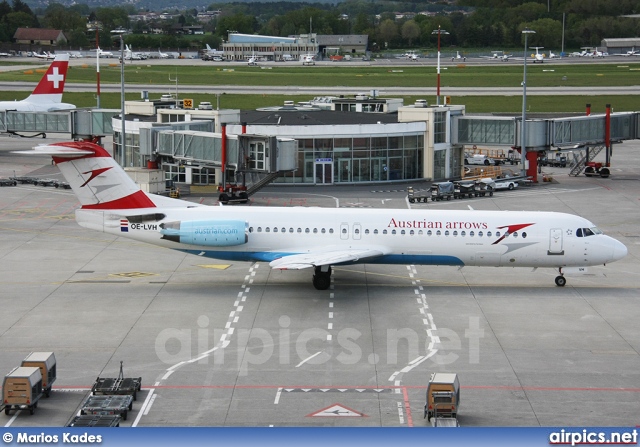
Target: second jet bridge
point(590, 133)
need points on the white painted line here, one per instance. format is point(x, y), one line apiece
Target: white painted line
point(166, 376)
point(400, 413)
point(275, 402)
point(177, 365)
point(244, 299)
point(143, 409)
point(240, 308)
point(248, 289)
point(308, 358)
point(235, 320)
point(330, 304)
point(231, 330)
point(237, 303)
point(330, 326)
point(331, 295)
point(8, 424)
point(330, 314)
point(153, 399)
point(415, 360)
point(240, 294)
point(329, 337)
point(228, 325)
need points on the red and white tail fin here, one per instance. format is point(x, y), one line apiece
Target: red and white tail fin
point(51, 86)
point(94, 176)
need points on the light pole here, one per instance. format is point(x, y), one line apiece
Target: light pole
point(97, 29)
point(122, 117)
point(523, 149)
point(438, 32)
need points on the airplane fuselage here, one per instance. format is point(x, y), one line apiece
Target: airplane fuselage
point(423, 237)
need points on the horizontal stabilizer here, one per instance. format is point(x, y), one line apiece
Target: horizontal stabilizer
point(57, 151)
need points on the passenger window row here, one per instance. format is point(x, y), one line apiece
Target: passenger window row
point(461, 233)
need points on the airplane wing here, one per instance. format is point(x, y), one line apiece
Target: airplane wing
point(331, 257)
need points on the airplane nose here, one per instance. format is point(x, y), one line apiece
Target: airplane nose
point(619, 250)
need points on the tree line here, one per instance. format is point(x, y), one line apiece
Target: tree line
point(389, 24)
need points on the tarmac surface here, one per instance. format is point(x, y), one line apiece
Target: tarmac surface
point(236, 344)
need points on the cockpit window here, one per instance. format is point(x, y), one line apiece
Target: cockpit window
point(586, 232)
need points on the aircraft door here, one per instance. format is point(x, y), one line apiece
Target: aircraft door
point(555, 242)
point(344, 231)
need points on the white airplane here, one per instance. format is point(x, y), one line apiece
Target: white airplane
point(102, 53)
point(597, 53)
point(212, 52)
point(458, 56)
point(253, 60)
point(319, 238)
point(131, 55)
point(538, 57)
point(46, 55)
point(498, 55)
point(552, 55)
point(308, 59)
point(162, 55)
point(47, 95)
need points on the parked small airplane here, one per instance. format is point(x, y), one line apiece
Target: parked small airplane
point(131, 55)
point(162, 55)
point(46, 55)
point(538, 57)
point(458, 56)
point(299, 238)
point(102, 53)
point(308, 59)
point(253, 60)
point(47, 95)
point(498, 55)
point(212, 51)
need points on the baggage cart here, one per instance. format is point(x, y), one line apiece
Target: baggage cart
point(117, 386)
point(22, 389)
point(94, 420)
point(46, 361)
point(465, 188)
point(108, 406)
point(441, 191)
point(420, 195)
point(443, 396)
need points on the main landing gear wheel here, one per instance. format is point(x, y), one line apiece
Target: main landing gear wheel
point(322, 280)
point(561, 281)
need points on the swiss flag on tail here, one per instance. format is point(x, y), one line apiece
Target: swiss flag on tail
point(52, 82)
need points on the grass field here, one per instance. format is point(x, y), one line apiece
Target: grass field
point(550, 75)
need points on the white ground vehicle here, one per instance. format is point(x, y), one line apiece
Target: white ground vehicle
point(479, 159)
point(505, 183)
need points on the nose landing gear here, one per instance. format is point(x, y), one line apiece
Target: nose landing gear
point(561, 281)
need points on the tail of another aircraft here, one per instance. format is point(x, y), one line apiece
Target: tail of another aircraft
point(95, 177)
point(51, 86)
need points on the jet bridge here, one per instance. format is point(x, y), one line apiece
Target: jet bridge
point(244, 164)
point(79, 123)
point(588, 133)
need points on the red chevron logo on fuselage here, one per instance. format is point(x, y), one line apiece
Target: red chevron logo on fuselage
point(511, 229)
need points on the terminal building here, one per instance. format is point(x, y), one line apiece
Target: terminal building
point(241, 47)
point(341, 140)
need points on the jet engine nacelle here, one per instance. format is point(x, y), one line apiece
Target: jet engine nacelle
point(215, 233)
